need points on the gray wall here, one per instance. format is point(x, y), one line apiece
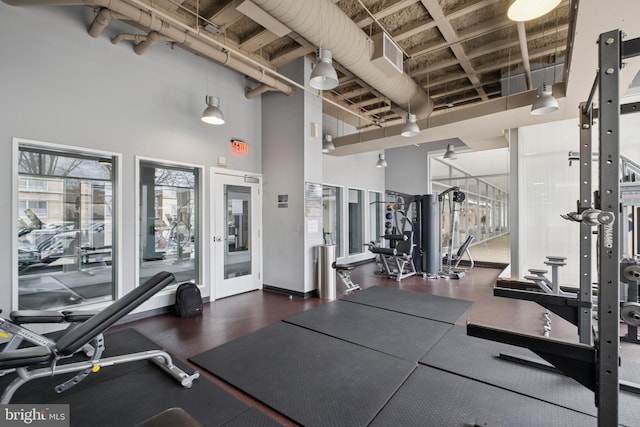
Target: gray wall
point(59, 85)
point(408, 170)
point(284, 129)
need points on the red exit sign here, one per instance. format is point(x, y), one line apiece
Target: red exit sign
point(239, 147)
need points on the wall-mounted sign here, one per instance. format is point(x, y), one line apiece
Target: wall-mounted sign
point(312, 199)
point(239, 147)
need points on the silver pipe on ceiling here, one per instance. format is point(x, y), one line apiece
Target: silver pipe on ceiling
point(150, 21)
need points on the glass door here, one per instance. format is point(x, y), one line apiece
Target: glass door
point(236, 230)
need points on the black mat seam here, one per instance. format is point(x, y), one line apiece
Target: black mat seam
point(506, 389)
point(246, 393)
point(232, 419)
point(405, 313)
point(355, 343)
point(393, 395)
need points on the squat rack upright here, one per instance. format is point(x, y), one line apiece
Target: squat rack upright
point(594, 366)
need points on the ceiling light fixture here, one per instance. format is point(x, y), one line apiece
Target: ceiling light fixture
point(525, 10)
point(381, 163)
point(411, 127)
point(324, 76)
point(450, 154)
point(213, 114)
point(327, 144)
point(546, 102)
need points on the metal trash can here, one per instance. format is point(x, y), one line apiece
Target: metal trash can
point(326, 272)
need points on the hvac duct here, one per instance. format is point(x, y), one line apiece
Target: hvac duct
point(150, 20)
point(325, 25)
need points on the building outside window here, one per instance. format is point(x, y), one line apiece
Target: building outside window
point(376, 208)
point(169, 224)
point(355, 221)
point(38, 207)
point(65, 228)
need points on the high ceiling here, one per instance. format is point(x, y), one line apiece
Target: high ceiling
point(459, 52)
point(462, 66)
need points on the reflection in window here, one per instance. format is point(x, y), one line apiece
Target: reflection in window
point(375, 215)
point(39, 208)
point(356, 243)
point(168, 221)
point(485, 212)
point(65, 228)
point(237, 260)
point(331, 207)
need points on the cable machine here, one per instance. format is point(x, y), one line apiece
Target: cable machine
point(449, 198)
point(422, 215)
point(594, 366)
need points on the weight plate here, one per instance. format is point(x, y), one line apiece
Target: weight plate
point(630, 313)
point(632, 273)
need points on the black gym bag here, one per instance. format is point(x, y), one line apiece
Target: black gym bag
point(188, 300)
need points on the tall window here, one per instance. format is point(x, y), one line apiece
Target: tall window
point(375, 215)
point(356, 226)
point(169, 222)
point(65, 228)
point(331, 216)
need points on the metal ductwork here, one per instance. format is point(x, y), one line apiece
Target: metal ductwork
point(322, 23)
point(169, 31)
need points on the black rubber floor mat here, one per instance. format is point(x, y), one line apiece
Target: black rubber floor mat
point(427, 306)
point(252, 418)
point(431, 397)
point(477, 358)
point(127, 394)
point(313, 379)
point(397, 334)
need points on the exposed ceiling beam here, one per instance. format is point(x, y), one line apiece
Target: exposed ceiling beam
point(391, 9)
point(227, 15)
point(450, 35)
point(255, 42)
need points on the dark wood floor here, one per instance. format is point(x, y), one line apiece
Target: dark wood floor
point(229, 318)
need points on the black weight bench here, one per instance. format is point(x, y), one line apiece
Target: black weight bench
point(397, 261)
point(464, 248)
point(84, 335)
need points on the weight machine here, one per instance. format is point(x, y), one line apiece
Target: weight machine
point(594, 366)
point(396, 258)
point(454, 196)
point(422, 215)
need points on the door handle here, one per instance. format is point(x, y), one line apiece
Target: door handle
point(217, 239)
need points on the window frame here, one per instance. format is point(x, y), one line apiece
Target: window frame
point(379, 209)
point(340, 220)
point(82, 152)
point(201, 249)
point(363, 220)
